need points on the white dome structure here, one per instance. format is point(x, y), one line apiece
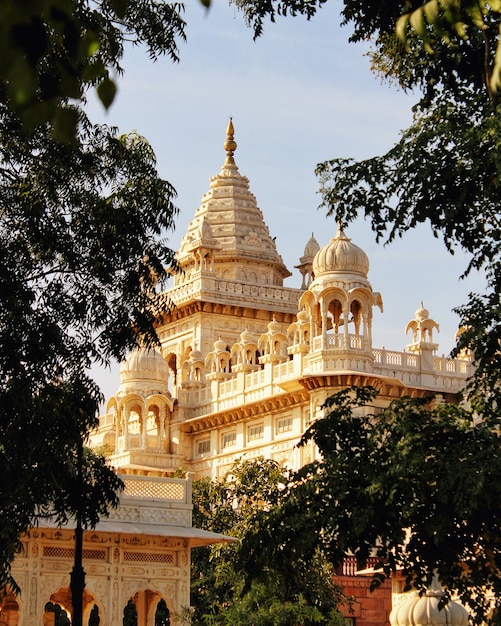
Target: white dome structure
point(144, 371)
point(425, 611)
point(340, 255)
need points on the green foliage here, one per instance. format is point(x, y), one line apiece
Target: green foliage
point(449, 20)
point(255, 11)
point(419, 481)
point(81, 261)
point(224, 589)
point(52, 51)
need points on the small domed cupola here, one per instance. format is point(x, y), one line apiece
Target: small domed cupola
point(306, 261)
point(144, 371)
point(339, 302)
point(340, 255)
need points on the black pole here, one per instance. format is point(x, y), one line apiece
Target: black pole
point(77, 584)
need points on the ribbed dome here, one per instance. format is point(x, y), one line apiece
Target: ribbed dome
point(340, 255)
point(302, 315)
point(274, 327)
point(311, 248)
point(422, 313)
point(219, 345)
point(146, 370)
point(424, 611)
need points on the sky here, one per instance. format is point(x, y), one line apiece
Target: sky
point(299, 95)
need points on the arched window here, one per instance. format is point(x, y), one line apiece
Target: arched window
point(61, 617)
point(162, 614)
point(94, 619)
point(130, 614)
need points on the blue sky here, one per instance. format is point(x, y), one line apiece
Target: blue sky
point(299, 95)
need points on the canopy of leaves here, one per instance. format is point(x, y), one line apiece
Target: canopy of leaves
point(81, 262)
point(420, 484)
point(224, 591)
point(52, 51)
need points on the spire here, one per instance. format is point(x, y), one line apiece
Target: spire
point(230, 145)
point(240, 242)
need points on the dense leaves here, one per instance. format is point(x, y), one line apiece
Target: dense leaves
point(82, 260)
point(52, 51)
point(224, 589)
point(417, 484)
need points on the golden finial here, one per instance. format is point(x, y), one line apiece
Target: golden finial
point(230, 145)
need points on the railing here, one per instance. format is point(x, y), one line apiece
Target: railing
point(350, 567)
point(274, 293)
point(452, 366)
point(336, 341)
point(402, 360)
point(283, 370)
point(174, 489)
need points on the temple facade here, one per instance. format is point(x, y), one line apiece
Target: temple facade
point(246, 363)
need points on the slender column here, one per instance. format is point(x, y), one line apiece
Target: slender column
point(126, 418)
point(144, 424)
point(323, 313)
point(346, 333)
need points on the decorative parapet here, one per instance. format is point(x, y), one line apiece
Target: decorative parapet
point(147, 458)
point(174, 490)
point(205, 286)
point(154, 500)
point(246, 388)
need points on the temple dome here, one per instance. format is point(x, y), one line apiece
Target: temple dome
point(340, 255)
point(422, 313)
point(424, 610)
point(144, 370)
point(311, 248)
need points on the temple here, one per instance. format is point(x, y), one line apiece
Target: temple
point(244, 366)
point(246, 363)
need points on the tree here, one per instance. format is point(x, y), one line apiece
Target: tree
point(52, 51)
point(295, 591)
point(418, 484)
point(445, 170)
point(81, 262)
point(82, 251)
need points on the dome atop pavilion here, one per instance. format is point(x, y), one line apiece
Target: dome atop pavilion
point(425, 610)
point(144, 370)
point(340, 255)
point(311, 248)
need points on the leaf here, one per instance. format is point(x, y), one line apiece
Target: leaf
point(417, 22)
point(65, 125)
point(432, 11)
point(92, 71)
point(120, 7)
point(401, 27)
point(106, 91)
point(495, 79)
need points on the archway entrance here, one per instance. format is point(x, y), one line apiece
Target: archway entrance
point(146, 608)
point(9, 610)
point(58, 610)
